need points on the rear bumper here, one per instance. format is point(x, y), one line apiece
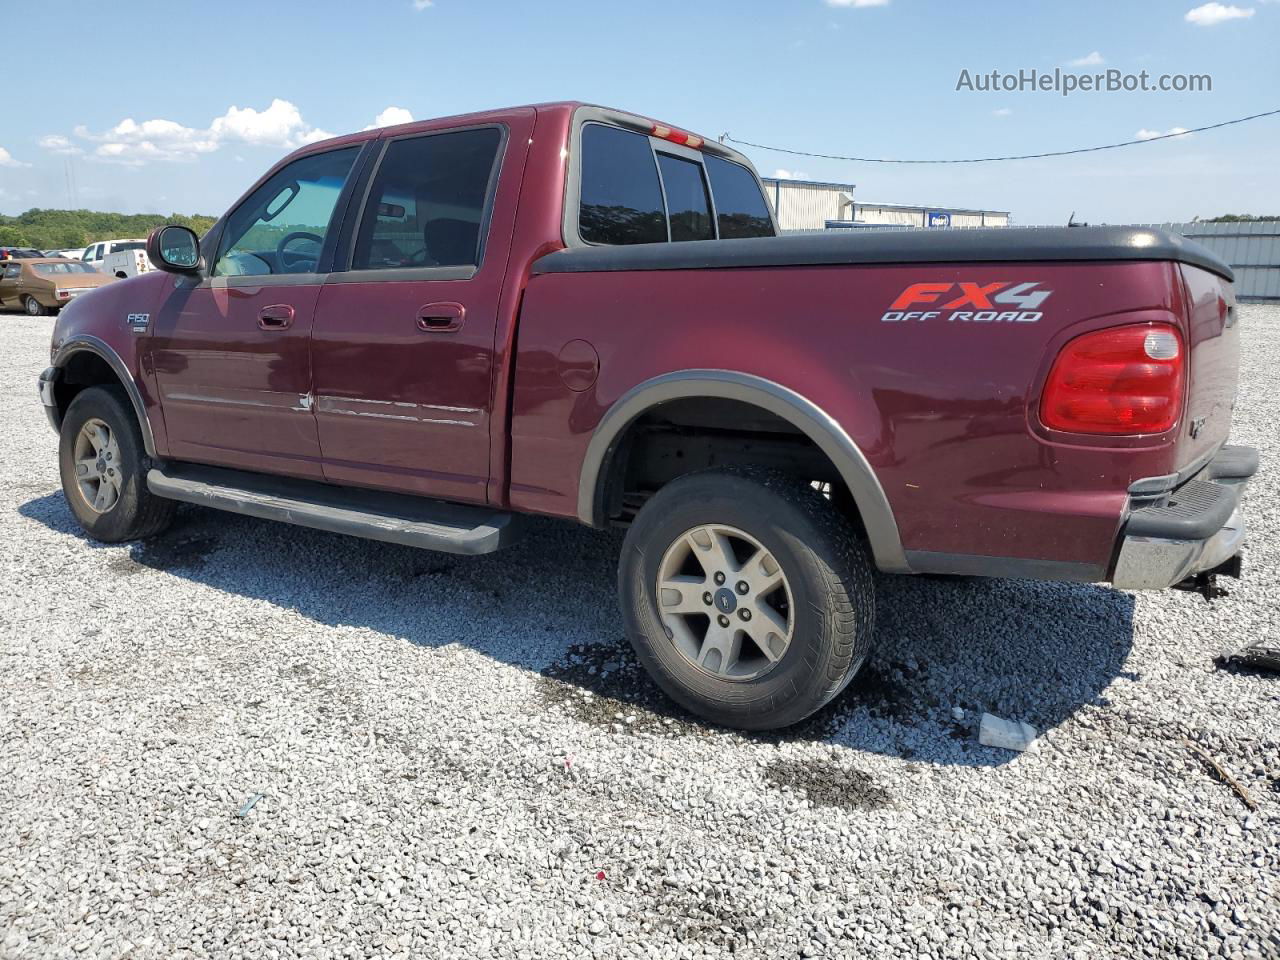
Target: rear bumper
point(1190, 529)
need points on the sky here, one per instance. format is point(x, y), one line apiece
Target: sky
point(179, 107)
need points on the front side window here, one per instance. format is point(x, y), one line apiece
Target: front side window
point(282, 226)
point(12, 270)
point(621, 198)
point(688, 206)
point(427, 202)
point(740, 206)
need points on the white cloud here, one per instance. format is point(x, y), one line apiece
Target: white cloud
point(1145, 134)
point(7, 160)
point(1001, 112)
point(781, 174)
point(421, 5)
point(857, 3)
point(1094, 59)
point(1214, 13)
point(390, 117)
point(56, 143)
point(133, 143)
point(314, 135)
point(280, 125)
point(130, 142)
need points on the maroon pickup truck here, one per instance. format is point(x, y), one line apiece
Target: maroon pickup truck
point(418, 333)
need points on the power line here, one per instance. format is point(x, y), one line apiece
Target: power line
point(1023, 156)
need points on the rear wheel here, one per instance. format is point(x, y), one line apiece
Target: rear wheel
point(748, 597)
point(34, 307)
point(104, 469)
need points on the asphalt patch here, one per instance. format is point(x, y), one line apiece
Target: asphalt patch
point(606, 687)
point(888, 690)
point(169, 551)
point(828, 784)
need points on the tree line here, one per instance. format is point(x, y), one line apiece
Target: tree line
point(59, 229)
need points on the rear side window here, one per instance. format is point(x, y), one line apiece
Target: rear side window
point(688, 205)
point(740, 207)
point(621, 198)
point(428, 201)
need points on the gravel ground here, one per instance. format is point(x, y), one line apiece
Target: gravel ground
point(459, 758)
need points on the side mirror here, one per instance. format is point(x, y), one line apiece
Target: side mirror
point(175, 249)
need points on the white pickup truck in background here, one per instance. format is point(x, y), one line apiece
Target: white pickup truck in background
point(118, 258)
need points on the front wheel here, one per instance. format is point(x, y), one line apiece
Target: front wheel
point(748, 597)
point(104, 469)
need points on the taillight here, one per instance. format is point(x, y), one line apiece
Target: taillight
point(1117, 381)
point(677, 136)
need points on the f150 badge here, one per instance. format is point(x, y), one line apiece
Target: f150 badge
point(138, 322)
point(969, 302)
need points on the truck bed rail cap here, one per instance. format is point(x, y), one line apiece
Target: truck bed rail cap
point(991, 245)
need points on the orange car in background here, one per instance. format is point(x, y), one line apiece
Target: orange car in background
point(47, 284)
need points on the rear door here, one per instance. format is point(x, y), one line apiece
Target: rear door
point(231, 352)
point(403, 344)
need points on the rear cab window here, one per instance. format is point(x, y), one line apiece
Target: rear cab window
point(621, 196)
point(635, 189)
point(740, 206)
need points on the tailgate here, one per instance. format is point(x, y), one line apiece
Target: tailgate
point(1213, 333)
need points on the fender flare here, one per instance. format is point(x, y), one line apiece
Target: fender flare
point(800, 412)
point(84, 343)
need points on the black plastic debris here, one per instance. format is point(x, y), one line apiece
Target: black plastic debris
point(1256, 656)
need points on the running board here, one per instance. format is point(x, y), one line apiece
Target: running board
point(373, 514)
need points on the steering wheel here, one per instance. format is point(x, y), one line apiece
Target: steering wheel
point(283, 255)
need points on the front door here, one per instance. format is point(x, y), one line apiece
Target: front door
point(402, 349)
point(10, 281)
point(231, 353)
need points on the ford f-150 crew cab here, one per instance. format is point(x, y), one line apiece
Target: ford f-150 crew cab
point(420, 332)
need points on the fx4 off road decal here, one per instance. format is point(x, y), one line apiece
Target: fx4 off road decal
point(965, 302)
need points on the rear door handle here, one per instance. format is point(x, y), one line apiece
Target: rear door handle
point(441, 317)
point(278, 316)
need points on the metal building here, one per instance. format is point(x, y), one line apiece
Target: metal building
point(808, 204)
point(1252, 247)
point(816, 205)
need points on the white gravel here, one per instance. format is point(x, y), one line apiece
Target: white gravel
point(457, 757)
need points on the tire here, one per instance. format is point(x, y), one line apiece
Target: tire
point(790, 534)
point(34, 307)
point(128, 510)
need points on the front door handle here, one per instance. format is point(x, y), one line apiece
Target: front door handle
point(441, 317)
point(278, 316)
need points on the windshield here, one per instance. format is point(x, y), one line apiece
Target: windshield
point(49, 269)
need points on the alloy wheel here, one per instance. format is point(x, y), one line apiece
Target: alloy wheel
point(725, 602)
point(96, 458)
